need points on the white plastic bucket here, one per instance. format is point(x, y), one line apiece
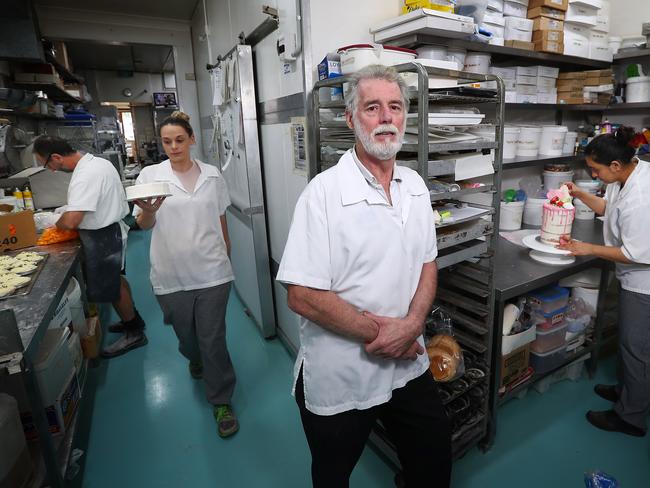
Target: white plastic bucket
point(570, 139)
point(457, 55)
point(590, 297)
point(554, 179)
point(533, 211)
point(583, 212)
point(614, 43)
point(528, 142)
point(357, 56)
point(638, 89)
point(478, 63)
point(432, 52)
point(590, 186)
point(510, 140)
point(511, 215)
point(551, 142)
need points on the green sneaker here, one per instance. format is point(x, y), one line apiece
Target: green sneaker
point(196, 370)
point(227, 423)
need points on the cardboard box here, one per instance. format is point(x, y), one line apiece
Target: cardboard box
point(526, 80)
point(528, 46)
point(556, 4)
point(61, 54)
point(569, 85)
point(515, 364)
point(572, 75)
point(505, 73)
point(570, 100)
point(17, 230)
point(527, 70)
point(592, 81)
point(91, 344)
point(551, 13)
point(546, 23)
point(526, 90)
point(549, 47)
point(546, 85)
point(548, 36)
point(526, 98)
point(547, 98)
point(548, 71)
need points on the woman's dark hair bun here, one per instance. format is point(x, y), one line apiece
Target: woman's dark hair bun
point(624, 135)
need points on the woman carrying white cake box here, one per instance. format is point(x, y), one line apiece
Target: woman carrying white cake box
point(626, 207)
point(190, 265)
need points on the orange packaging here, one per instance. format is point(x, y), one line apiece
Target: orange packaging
point(52, 235)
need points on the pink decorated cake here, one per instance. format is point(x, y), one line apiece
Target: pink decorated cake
point(557, 216)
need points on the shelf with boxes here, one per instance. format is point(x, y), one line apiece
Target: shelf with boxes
point(466, 211)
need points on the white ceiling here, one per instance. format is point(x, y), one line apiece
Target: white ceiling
point(169, 9)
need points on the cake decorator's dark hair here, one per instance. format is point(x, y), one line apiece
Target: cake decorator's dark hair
point(607, 148)
point(178, 118)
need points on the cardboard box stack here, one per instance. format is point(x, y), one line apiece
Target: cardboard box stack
point(518, 30)
point(595, 86)
point(548, 24)
point(529, 84)
point(586, 29)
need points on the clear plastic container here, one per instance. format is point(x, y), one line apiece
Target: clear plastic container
point(547, 361)
point(546, 321)
point(549, 339)
point(550, 299)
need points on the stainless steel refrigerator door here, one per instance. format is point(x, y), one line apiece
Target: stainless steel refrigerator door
point(240, 164)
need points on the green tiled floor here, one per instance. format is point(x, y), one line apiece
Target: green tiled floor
point(145, 423)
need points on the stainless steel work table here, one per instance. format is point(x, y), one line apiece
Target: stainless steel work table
point(32, 314)
point(517, 274)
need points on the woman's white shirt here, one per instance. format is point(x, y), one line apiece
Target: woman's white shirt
point(188, 250)
point(627, 225)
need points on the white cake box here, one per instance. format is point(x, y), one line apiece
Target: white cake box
point(580, 14)
point(600, 51)
point(575, 47)
point(424, 21)
point(505, 73)
point(576, 32)
point(527, 70)
point(514, 9)
point(518, 29)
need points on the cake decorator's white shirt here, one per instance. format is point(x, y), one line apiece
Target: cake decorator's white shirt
point(627, 225)
point(345, 237)
point(188, 250)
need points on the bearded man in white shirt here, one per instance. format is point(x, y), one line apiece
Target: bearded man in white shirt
point(360, 269)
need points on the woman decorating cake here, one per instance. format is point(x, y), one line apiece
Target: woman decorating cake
point(190, 265)
point(626, 206)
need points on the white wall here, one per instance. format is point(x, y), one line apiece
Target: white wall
point(74, 24)
point(627, 16)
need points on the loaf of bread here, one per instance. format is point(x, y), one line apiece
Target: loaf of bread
point(445, 355)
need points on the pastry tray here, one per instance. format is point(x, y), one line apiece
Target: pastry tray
point(25, 290)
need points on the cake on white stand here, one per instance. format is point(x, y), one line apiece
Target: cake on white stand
point(144, 191)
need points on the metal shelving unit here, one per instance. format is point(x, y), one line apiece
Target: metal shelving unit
point(472, 238)
point(500, 53)
point(525, 162)
point(55, 92)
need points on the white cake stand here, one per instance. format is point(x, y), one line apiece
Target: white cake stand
point(546, 253)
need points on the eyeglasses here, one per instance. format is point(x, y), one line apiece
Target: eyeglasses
point(47, 160)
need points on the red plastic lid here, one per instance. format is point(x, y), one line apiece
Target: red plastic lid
point(371, 46)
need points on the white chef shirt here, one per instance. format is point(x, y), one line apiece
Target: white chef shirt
point(344, 238)
point(627, 225)
point(96, 189)
point(188, 250)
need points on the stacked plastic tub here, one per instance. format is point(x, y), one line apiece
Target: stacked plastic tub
point(548, 351)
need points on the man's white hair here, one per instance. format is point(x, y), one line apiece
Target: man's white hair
point(374, 72)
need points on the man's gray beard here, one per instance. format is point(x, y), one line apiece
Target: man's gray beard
point(383, 151)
